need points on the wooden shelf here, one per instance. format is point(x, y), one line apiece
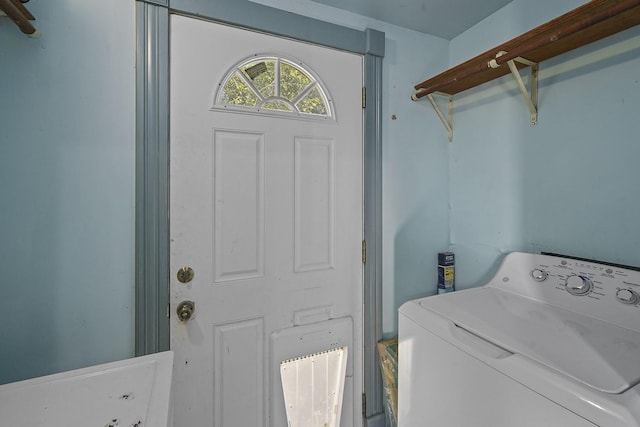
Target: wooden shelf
point(18, 13)
point(590, 22)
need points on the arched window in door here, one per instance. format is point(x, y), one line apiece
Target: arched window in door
point(274, 85)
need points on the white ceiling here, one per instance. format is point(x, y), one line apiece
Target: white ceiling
point(441, 18)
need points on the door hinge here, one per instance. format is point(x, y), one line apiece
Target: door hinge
point(168, 311)
point(364, 97)
point(364, 251)
point(364, 405)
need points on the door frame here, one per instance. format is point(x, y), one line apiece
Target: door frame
point(152, 160)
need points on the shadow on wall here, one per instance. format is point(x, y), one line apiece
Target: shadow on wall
point(416, 257)
point(476, 264)
point(416, 247)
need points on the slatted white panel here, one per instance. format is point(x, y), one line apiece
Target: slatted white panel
point(314, 204)
point(239, 205)
point(299, 341)
point(239, 393)
point(313, 387)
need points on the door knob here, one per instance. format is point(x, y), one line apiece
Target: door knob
point(185, 274)
point(185, 310)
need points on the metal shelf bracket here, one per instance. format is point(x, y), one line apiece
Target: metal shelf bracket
point(446, 121)
point(530, 99)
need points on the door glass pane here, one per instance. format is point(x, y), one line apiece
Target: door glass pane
point(277, 105)
point(313, 103)
point(236, 92)
point(262, 75)
point(270, 84)
point(292, 81)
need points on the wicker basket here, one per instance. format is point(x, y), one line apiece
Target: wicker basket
point(388, 352)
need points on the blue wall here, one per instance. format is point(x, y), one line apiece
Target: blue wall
point(569, 184)
point(67, 132)
point(415, 171)
point(67, 169)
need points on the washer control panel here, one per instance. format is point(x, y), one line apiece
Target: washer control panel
point(577, 284)
point(606, 292)
point(539, 275)
point(627, 296)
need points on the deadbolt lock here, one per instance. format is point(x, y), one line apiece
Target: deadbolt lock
point(185, 274)
point(185, 310)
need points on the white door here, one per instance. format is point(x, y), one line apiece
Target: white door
point(266, 209)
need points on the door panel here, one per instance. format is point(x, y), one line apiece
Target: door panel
point(267, 210)
point(314, 204)
point(239, 370)
point(239, 190)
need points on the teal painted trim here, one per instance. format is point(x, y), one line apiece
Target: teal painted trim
point(268, 19)
point(373, 233)
point(377, 420)
point(152, 178)
point(375, 42)
point(164, 3)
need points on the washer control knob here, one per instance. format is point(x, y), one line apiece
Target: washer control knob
point(578, 285)
point(539, 275)
point(627, 296)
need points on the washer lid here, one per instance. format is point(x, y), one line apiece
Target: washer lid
point(596, 353)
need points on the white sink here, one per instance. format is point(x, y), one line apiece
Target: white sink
point(129, 393)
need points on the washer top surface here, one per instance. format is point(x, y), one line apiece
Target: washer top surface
point(592, 337)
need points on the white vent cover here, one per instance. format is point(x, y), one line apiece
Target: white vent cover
point(313, 387)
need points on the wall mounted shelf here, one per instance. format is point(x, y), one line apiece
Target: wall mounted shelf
point(588, 23)
point(20, 15)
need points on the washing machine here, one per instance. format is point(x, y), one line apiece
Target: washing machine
point(550, 341)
